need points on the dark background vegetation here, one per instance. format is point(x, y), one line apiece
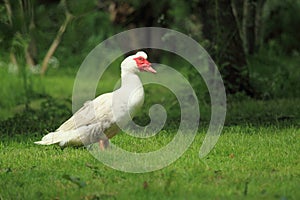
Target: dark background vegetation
point(256, 45)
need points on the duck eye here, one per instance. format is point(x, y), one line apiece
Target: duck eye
point(141, 58)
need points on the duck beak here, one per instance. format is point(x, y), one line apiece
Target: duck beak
point(144, 65)
point(148, 68)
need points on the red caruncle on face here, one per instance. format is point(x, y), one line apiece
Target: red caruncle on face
point(143, 64)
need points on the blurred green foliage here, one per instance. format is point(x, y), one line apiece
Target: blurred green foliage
point(281, 29)
point(97, 20)
point(31, 26)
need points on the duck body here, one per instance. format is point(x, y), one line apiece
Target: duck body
point(98, 120)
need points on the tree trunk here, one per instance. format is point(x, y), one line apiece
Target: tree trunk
point(248, 14)
point(249, 25)
point(258, 24)
point(226, 44)
point(237, 7)
point(56, 40)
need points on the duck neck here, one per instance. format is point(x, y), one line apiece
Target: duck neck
point(130, 80)
point(132, 88)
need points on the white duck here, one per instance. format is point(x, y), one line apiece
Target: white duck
point(97, 120)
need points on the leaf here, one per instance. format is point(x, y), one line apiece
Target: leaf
point(75, 180)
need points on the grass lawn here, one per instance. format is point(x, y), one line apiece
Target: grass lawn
point(248, 162)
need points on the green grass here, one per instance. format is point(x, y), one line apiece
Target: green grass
point(248, 162)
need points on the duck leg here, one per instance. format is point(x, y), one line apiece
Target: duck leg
point(103, 144)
